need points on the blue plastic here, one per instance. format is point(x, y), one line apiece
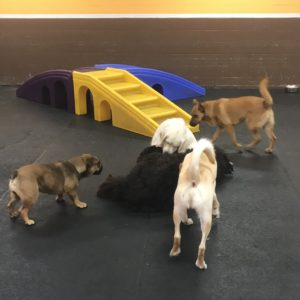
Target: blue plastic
point(171, 86)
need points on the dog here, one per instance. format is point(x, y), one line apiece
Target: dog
point(225, 113)
point(150, 185)
point(57, 178)
point(196, 190)
point(173, 135)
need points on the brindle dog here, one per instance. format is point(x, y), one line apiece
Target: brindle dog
point(57, 178)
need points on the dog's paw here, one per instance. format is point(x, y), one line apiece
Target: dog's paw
point(14, 215)
point(201, 265)
point(216, 214)
point(29, 222)
point(175, 252)
point(188, 222)
point(269, 150)
point(60, 200)
point(81, 204)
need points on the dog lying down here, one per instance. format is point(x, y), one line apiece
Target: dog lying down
point(57, 178)
point(150, 185)
point(196, 190)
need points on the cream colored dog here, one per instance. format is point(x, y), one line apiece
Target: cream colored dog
point(173, 135)
point(196, 189)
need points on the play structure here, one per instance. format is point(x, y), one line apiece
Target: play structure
point(110, 93)
point(170, 85)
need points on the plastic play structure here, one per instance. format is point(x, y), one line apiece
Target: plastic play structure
point(170, 85)
point(113, 93)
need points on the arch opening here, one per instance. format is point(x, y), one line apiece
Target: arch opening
point(60, 95)
point(46, 95)
point(159, 88)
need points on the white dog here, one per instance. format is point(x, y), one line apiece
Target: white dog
point(196, 189)
point(173, 135)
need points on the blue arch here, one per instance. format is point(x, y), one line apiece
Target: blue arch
point(170, 85)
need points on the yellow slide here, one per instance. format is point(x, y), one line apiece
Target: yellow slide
point(129, 102)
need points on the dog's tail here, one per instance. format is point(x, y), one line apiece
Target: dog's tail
point(203, 145)
point(264, 92)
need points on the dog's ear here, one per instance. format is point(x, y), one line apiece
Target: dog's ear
point(197, 104)
point(201, 107)
point(180, 166)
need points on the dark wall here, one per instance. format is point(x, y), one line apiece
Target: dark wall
point(211, 52)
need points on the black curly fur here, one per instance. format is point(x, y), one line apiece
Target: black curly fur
point(150, 185)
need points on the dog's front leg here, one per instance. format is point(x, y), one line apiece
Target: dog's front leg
point(74, 197)
point(217, 134)
point(60, 199)
point(231, 133)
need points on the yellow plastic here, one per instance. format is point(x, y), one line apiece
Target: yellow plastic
point(130, 103)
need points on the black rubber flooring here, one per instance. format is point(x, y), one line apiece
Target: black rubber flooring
point(105, 252)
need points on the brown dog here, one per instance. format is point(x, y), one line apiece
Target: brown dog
point(56, 178)
point(226, 113)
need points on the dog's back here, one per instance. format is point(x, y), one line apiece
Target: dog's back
point(198, 173)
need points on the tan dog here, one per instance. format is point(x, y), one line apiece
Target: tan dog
point(56, 178)
point(196, 189)
point(226, 113)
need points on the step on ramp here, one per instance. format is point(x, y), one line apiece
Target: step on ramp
point(130, 103)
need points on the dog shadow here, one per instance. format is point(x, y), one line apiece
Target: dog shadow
point(254, 160)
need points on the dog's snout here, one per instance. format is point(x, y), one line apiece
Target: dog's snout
point(100, 168)
point(193, 122)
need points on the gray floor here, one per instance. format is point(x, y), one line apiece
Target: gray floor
point(104, 252)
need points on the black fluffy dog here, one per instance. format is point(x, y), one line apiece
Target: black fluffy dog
point(151, 184)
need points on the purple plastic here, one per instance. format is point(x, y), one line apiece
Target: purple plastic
point(170, 85)
point(54, 88)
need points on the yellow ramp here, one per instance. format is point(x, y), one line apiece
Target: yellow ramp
point(129, 102)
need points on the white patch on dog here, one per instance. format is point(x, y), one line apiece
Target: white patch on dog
point(173, 135)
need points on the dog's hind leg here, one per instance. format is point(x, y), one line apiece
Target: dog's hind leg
point(231, 132)
point(216, 207)
point(256, 138)
point(24, 209)
point(206, 220)
point(272, 137)
point(177, 236)
point(11, 205)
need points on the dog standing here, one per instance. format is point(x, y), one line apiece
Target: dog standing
point(196, 189)
point(56, 178)
point(225, 113)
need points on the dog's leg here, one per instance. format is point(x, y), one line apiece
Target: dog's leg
point(231, 133)
point(216, 134)
point(185, 219)
point(24, 214)
point(74, 197)
point(272, 137)
point(60, 199)
point(11, 205)
point(216, 207)
point(256, 138)
point(177, 236)
point(205, 219)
